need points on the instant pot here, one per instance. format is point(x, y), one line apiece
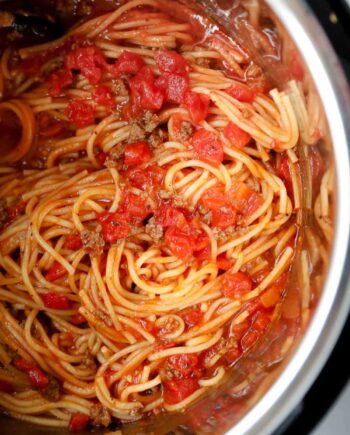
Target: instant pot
point(285, 407)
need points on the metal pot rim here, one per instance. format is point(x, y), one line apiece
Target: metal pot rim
point(333, 308)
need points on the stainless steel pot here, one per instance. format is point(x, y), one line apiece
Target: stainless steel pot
point(333, 308)
point(320, 337)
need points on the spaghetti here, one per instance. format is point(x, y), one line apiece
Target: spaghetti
point(151, 221)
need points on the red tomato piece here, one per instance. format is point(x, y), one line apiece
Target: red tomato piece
point(244, 199)
point(238, 137)
point(224, 217)
point(16, 210)
point(258, 326)
point(77, 319)
point(241, 93)
point(197, 106)
point(101, 158)
point(283, 172)
point(167, 215)
point(143, 178)
point(213, 199)
point(174, 87)
point(201, 241)
point(170, 62)
point(37, 377)
point(73, 242)
point(80, 113)
point(56, 301)
point(235, 285)
point(103, 96)
point(56, 271)
point(179, 243)
point(134, 208)
point(144, 93)
point(59, 80)
point(78, 422)
point(114, 227)
point(89, 61)
point(137, 153)
point(208, 147)
point(183, 363)
point(192, 317)
point(177, 390)
point(127, 63)
point(222, 262)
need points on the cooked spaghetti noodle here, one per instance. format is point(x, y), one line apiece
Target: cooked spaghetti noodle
point(151, 221)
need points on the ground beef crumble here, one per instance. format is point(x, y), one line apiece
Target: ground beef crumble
point(92, 241)
point(100, 415)
point(154, 230)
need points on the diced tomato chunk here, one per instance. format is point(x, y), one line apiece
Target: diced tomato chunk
point(197, 106)
point(173, 86)
point(103, 96)
point(80, 113)
point(89, 61)
point(170, 62)
point(235, 285)
point(133, 208)
point(192, 317)
point(56, 301)
point(167, 215)
point(144, 93)
point(114, 227)
point(208, 147)
point(177, 390)
point(184, 363)
point(238, 137)
point(101, 158)
point(16, 210)
point(213, 199)
point(223, 263)
point(143, 178)
point(137, 153)
point(37, 377)
point(73, 241)
point(241, 93)
point(224, 217)
point(77, 319)
point(59, 80)
point(78, 422)
point(56, 271)
point(179, 243)
point(244, 199)
point(259, 324)
point(127, 63)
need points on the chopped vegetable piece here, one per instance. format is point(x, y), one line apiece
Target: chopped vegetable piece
point(241, 93)
point(235, 285)
point(179, 243)
point(197, 106)
point(56, 271)
point(114, 227)
point(78, 422)
point(56, 301)
point(170, 62)
point(73, 242)
point(177, 390)
point(59, 80)
point(238, 137)
point(208, 147)
point(137, 153)
point(80, 113)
